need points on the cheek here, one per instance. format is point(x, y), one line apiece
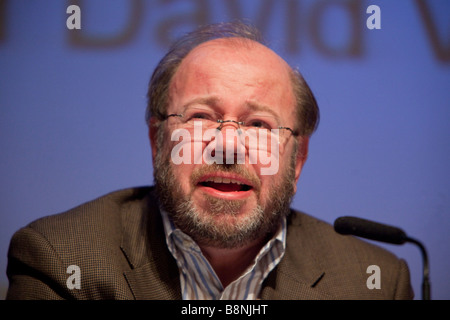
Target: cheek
point(268, 184)
point(174, 154)
point(284, 175)
point(182, 174)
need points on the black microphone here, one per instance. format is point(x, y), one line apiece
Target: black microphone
point(381, 232)
point(370, 230)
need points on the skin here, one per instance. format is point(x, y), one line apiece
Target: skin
point(233, 76)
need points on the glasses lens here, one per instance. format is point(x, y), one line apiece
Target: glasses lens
point(255, 131)
point(261, 121)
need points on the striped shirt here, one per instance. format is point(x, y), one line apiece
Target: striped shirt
point(198, 279)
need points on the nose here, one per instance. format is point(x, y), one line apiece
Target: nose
point(228, 145)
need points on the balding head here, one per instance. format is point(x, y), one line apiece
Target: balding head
point(307, 112)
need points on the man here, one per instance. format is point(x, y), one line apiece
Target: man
point(229, 122)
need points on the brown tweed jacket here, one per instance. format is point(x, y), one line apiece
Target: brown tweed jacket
point(118, 243)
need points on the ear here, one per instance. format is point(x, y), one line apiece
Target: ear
point(153, 136)
point(302, 155)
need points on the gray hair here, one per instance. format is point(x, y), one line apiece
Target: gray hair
point(158, 89)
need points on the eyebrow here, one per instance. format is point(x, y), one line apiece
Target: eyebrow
point(213, 101)
point(255, 106)
point(210, 101)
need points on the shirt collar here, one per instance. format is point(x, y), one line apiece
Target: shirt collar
point(199, 281)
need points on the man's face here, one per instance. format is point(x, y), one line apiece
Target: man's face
point(228, 204)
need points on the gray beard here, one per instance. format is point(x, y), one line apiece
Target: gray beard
point(201, 224)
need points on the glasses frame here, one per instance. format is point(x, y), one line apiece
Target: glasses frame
point(221, 122)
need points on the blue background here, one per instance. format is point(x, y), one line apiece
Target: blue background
point(72, 112)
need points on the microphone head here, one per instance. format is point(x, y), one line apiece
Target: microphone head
point(369, 229)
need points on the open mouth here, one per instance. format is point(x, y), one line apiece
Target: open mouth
point(225, 184)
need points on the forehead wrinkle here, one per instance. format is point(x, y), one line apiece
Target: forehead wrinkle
point(210, 101)
point(213, 102)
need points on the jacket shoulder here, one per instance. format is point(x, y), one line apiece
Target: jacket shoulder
point(328, 239)
point(99, 215)
point(88, 237)
point(341, 265)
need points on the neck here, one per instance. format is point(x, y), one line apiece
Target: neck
point(229, 264)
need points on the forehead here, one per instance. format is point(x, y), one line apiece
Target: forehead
point(229, 47)
point(241, 68)
point(235, 51)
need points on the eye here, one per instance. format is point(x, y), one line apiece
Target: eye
point(260, 122)
point(200, 115)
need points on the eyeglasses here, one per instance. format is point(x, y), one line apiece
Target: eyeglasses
point(259, 124)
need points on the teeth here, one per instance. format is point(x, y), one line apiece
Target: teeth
point(222, 180)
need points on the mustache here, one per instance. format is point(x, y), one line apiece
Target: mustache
point(238, 169)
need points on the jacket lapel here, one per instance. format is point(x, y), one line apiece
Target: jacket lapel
point(154, 273)
point(146, 284)
point(284, 284)
point(300, 271)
